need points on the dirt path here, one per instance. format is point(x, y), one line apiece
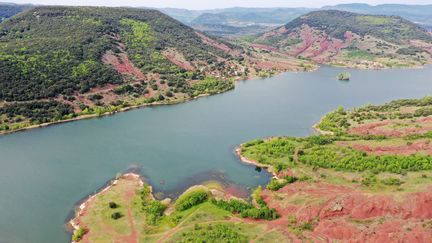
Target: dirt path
point(295, 157)
point(133, 237)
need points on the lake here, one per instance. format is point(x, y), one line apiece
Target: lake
point(44, 172)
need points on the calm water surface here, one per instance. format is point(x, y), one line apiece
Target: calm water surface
point(44, 172)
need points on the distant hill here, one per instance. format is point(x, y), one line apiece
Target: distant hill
point(222, 21)
point(8, 10)
point(345, 38)
point(183, 15)
point(238, 21)
point(421, 14)
point(249, 16)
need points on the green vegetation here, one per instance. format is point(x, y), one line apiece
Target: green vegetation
point(321, 152)
point(344, 152)
point(246, 210)
point(191, 199)
point(276, 184)
point(196, 215)
point(336, 23)
point(213, 233)
point(369, 41)
point(212, 85)
point(64, 54)
point(340, 121)
point(38, 112)
point(345, 76)
point(153, 209)
point(78, 234)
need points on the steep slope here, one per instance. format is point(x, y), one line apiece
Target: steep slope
point(57, 63)
point(339, 37)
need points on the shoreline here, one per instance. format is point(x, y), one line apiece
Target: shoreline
point(129, 108)
point(80, 207)
point(319, 131)
point(73, 224)
point(247, 161)
point(92, 116)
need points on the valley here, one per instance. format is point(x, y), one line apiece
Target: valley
point(244, 124)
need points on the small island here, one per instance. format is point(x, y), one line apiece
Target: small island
point(345, 76)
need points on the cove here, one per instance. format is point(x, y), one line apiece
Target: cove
point(44, 172)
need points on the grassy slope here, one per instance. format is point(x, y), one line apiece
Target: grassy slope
point(344, 38)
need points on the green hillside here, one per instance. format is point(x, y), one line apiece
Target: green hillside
point(345, 38)
point(336, 23)
point(59, 63)
point(86, 57)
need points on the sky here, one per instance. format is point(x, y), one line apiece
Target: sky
point(210, 4)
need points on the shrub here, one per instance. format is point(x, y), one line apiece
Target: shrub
point(275, 185)
point(154, 210)
point(191, 199)
point(116, 215)
point(392, 182)
point(213, 233)
point(78, 234)
point(113, 205)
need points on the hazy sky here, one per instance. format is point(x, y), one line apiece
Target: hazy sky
point(207, 4)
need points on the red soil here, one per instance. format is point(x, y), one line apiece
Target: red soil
point(275, 64)
point(407, 149)
point(216, 44)
point(236, 191)
point(123, 65)
point(376, 128)
point(178, 61)
point(307, 35)
point(349, 37)
point(349, 215)
point(320, 48)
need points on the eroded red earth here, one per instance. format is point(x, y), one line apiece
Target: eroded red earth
point(423, 125)
point(123, 65)
point(346, 214)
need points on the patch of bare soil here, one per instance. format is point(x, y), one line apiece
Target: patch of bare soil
point(178, 59)
point(417, 147)
point(217, 44)
point(341, 213)
point(422, 125)
point(123, 65)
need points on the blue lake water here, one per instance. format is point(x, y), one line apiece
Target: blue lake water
point(44, 172)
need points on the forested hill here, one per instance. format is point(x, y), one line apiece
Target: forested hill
point(8, 10)
point(335, 23)
point(60, 62)
point(332, 36)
